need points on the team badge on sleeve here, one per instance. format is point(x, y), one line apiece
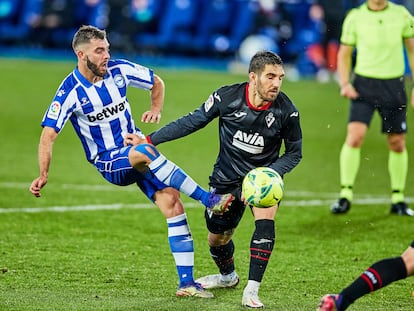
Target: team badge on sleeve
point(209, 103)
point(54, 110)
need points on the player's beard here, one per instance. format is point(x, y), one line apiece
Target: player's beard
point(94, 68)
point(260, 91)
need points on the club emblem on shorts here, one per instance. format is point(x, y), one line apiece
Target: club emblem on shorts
point(119, 80)
point(270, 119)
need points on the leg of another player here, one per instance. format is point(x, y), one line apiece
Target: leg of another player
point(180, 241)
point(261, 248)
point(146, 156)
point(349, 160)
point(222, 252)
point(398, 168)
point(408, 257)
point(377, 276)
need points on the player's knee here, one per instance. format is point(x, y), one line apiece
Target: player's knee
point(148, 150)
point(143, 154)
point(354, 141)
point(169, 202)
point(215, 240)
point(396, 143)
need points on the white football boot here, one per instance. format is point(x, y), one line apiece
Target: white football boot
point(219, 280)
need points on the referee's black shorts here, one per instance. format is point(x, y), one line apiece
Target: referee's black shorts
point(387, 96)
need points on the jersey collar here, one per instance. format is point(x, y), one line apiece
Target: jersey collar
point(265, 107)
point(85, 82)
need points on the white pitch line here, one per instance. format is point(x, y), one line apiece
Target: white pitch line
point(132, 188)
point(100, 207)
point(326, 199)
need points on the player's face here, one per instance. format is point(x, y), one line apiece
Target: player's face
point(269, 82)
point(97, 56)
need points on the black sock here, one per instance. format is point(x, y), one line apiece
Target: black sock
point(223, 257)
point(261, 247)
point(379, 275)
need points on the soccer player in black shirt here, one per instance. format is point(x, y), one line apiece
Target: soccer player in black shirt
point(255, 118)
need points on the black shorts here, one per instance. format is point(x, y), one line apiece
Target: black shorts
point(229, 220)
point(388, 97)
point(412, 244)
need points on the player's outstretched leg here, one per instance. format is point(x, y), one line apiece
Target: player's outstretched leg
point(172, 175)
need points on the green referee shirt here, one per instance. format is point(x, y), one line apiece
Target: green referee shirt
point(378, 37)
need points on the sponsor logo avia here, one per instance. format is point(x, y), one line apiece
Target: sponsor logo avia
point(106, 112)
point(251, 143)
point(252, 139)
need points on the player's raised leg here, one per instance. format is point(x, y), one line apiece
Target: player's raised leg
point(170, 174)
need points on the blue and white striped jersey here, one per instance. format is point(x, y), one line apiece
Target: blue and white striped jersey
point(100, 113)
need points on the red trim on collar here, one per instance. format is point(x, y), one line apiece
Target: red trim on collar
point(265, 107)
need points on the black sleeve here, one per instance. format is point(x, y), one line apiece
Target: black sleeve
point(187, 124)
point(290, 159)
point(292, 138)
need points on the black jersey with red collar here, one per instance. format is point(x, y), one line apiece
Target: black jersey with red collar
point(249, 137)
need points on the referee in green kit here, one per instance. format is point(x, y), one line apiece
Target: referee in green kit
point(377, 31)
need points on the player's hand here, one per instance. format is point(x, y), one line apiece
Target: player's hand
point(37, 185)
point(349, 91)
point(151, 117)
point(133, 139)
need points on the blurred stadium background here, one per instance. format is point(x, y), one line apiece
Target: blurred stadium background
point(211, 33)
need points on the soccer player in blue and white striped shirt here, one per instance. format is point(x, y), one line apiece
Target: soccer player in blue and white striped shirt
point(93, 98)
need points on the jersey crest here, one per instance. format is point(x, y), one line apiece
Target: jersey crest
point(270, 119)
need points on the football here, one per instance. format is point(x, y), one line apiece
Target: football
point(262, 187)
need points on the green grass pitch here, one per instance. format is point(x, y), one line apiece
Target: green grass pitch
point(60, 252)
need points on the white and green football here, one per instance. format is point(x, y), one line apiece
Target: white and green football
point(262, 187)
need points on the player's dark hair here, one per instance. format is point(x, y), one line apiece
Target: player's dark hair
point(85, 34)
point(263, 58)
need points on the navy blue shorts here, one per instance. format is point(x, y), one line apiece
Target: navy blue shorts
point(115, 168)
point(388, 97)
point(218, 224)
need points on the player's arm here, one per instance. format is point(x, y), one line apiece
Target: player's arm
point(409, 47)
point(292, 138)
point(157, 101)
point(47, 139)
point(181, 127)
point(187, 124)
point(344, 67)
